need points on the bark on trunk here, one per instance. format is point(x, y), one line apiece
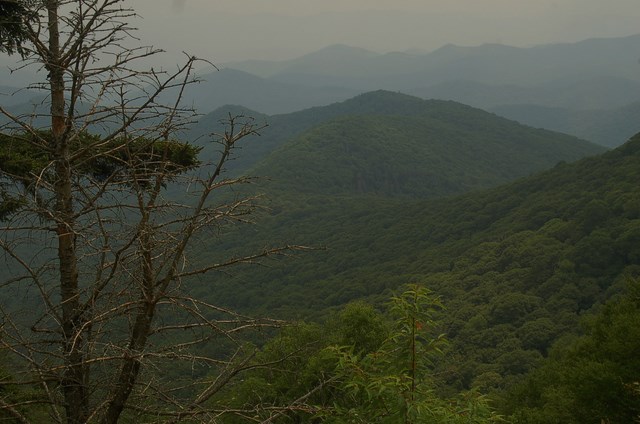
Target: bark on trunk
point(74, 384)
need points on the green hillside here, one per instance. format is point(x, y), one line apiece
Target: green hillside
point(444, 150)
point(571, 200)
point(516, 266)
point(443, 134)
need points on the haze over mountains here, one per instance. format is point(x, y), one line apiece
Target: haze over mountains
point(603, 126)
point(489, 64)
point(555, 86)
point(600, 76)
point(593, 78)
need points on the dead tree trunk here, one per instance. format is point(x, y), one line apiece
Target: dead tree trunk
point(74, 381)
point(112, 258)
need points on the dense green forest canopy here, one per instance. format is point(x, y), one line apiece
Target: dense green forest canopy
point(517, 266)
point(591, 378)
point(577, 198)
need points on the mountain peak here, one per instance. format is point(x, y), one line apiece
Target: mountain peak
point(340, 49)
point(385, 96)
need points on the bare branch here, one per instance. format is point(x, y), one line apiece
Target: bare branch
point(109, 205)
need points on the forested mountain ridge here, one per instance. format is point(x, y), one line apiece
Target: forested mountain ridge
point(413, 156)
point(447, 134)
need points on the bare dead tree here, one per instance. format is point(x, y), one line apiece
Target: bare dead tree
point(97, 238)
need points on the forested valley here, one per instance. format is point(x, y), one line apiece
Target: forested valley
point(526, 271)
point(368, 256)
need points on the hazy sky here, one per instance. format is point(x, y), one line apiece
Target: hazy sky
point(229, 30)
point(225, 30)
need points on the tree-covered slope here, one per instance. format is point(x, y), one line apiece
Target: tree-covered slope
point(516, 265)
point(591, 379)
point(443, 151)
point(442, 136)
point(568, 202)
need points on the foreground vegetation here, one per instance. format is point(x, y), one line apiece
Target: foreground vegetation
point(367, 366)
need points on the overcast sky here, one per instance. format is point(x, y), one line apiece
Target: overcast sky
point(227, 30)
point(230, 30)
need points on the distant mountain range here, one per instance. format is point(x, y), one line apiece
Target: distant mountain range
point(489, 63)
point(608, 127)
point(599, 76)
point(602, 92)
point(230, 86)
